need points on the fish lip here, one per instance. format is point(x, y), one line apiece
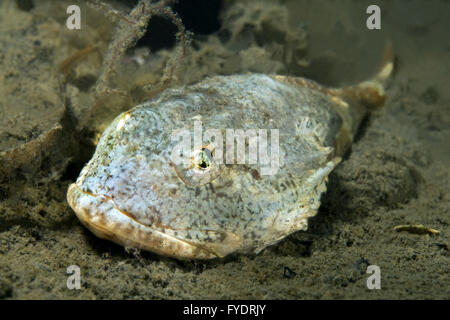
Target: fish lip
point(100, 215)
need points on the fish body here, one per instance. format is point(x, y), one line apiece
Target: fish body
point(142, 190)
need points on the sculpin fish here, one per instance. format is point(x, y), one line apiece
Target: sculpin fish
point(132, 191)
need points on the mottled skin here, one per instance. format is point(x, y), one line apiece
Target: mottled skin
point(133, 194)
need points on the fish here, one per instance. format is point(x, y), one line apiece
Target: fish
point(149, 187)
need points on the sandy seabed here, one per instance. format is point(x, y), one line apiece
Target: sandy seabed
point(396, 174)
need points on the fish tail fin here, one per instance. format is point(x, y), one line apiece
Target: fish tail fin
point(371, 93)
point(360, 100)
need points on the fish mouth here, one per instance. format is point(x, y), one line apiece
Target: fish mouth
point(101, 216)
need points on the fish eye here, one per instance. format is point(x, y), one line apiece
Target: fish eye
point(203, 158)
point(202, 167)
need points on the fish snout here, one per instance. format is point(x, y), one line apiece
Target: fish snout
point(102, 217)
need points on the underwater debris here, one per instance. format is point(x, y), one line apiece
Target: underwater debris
point(129, 30)
point(288, 273)
point(32, 110)
point(416, 229)
point(66, 67)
